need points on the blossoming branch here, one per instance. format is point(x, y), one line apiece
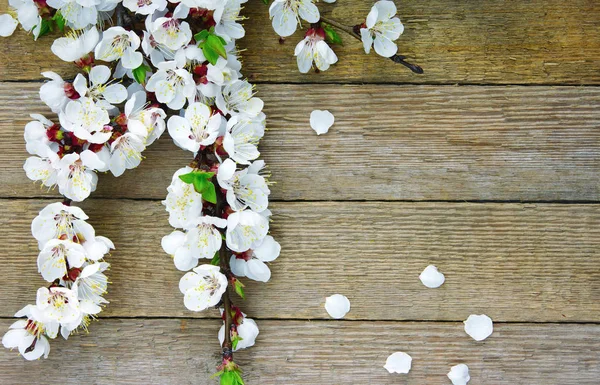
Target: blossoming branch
point(141, 62)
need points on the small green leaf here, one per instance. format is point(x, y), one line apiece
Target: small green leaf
point(59, 20)
point(235, 340)
point(139, 74)
point(45, 28)
point(227, 378)
point(216, 260)
point(231, 377)
point(331, 36)
point(212, 45)
point(239, 288)
point(202, 184)
point(201, 36)
point(266, 2)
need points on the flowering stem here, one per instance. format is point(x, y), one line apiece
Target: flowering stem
point(224, 262)
point(352, 32)
point(341, 27)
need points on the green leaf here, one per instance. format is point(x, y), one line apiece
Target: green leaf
point(202, 184)
point(232, 377)
point(59, 20)
point(201, 36)
point(216, 260)
point(212, 45)
point(139, 74)
point(266, 2)
point(227, 378)
point(239, 288)
point(331, 36)
point(235, 341)
point(45, 28)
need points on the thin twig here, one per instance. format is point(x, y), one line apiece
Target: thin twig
point(224, 262)
point(341, 27)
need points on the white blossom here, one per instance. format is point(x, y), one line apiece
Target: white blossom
point(286, 14)
point(44, 168)
point(53, 92)
point(241, 139)
point(58, 304)
point(245, 188)
point(76, 178)
point(146, 122)
point(52, 260)
point(229, 15)
point(77, 13)
point(58, 220)
point(172, 84)
point(126, 153)
point(247, 331)
point(197, 128)
point(87, 120)
point(100, 89)
point(238, 97)
point(76, 44)
point(120, 44)
point(203, 287)
point(313, 48)
point(90, 286)
point(252, 264)
point(171, 32)
point(183, 203)
point(200, 241)
point(382, 29)
point(29, 336)
point(245, 230)
point(27, 14)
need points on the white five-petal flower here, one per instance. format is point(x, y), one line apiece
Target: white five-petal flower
point(197, 128)
point(203, 287)
point(382, 29)
point(286, 14)
point(314, 49)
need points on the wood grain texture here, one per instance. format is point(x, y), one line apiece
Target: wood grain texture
point(309, 353)
point(486, 41)
point(513, 262)
point(388, 143)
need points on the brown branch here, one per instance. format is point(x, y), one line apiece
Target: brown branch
point(341, 27)
point(224, 262)
point(351, 31)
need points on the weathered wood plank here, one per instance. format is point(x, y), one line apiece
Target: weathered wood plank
point(293, 352)
point(486, 41)
point(388, 143)
point(513, 262)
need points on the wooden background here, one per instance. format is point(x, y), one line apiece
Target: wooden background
point(486, 166)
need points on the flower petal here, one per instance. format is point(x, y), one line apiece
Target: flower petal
point(431, 277)
point(321, 121)
point(398, 362)
point(479, 327)
point(459, 374)
point(337, 306)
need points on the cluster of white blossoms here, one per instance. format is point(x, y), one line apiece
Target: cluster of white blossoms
point(219, 203)
point(380, 30)
point(71, 260)
point(139, 61)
